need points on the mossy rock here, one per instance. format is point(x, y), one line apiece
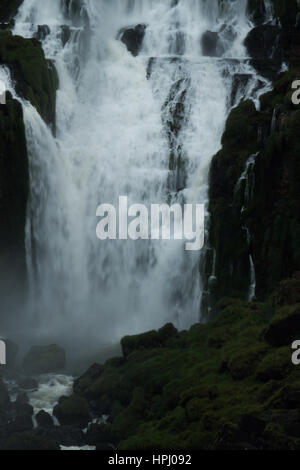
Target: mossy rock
point(35, 78)
point(149, 340)
point(276, 365)
point(244, 364)
point(72, 410)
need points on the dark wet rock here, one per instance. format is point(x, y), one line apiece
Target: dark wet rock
point(65, 34)
point(14, 184)
point(211, 44)
point(261, 42)
point(44, 359)
point(42, 32)
point(284, 327)
point(239, 84)
point(8, 9)
point(44, 419)
point(24, 416)
point(133, 38)
point(252, 424)
point(72, 410)
point(257, 11)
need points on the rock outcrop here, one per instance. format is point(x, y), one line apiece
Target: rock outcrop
point(44, 359)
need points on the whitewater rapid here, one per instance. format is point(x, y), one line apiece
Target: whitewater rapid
point(112, 139)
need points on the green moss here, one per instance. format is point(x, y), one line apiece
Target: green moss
point(36, 78)
point(276, 365)
point(27, 441)
point(72, 410)
point(195, 394)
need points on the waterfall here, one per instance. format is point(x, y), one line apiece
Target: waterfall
point(115, 121)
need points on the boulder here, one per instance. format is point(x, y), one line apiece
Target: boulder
point(24, 416)
point(133, 38)
point(149, 340)
point(257, 11)
point(72, 410)
point(44, 359)
point(44, 419)
point(261, 40)
point(42, 32)
point(65, 34)
point(211, 44)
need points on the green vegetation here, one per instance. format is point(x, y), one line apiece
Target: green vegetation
point(219, 385)
point(35, 77)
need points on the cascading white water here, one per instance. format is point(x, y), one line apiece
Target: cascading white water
point(113, 113)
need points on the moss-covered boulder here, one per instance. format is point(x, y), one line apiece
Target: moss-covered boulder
point(217, 386)
point(35, 77)
point(72, 410)
point(152, 339)
point(44, 359)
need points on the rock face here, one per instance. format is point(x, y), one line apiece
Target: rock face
point(44, 359)
point(254, 191)
point(133, 38)
point(8, 9)
point(14, 189)
point(36, 78)
point(261, 42)
point(211, 44)
point(42, 32)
